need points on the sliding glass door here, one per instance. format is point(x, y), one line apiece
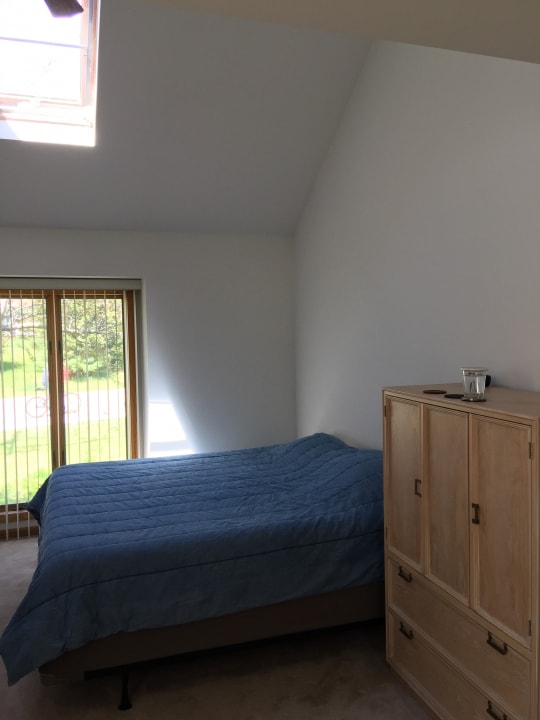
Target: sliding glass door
point(67, 386)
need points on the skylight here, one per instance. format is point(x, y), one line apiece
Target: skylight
point(48, 72)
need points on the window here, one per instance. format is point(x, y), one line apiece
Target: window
point(48, 71)
point(67, 388)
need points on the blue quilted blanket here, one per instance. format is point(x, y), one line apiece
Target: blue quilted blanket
point(136, 544)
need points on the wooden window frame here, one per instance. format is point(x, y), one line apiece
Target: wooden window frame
point(15, 521)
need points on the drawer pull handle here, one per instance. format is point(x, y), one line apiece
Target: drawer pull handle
point(494, 714)
point(476, 518)
point(417, 484)
point(405, 631)
point(404, 574)
point(503, 649)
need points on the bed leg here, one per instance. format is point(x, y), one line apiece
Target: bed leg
point(125, 704)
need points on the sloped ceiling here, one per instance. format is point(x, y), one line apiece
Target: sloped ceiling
point(501, 28)
point(205, 124)
point(214, 115)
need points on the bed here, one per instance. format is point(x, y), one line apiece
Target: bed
point(148, 558)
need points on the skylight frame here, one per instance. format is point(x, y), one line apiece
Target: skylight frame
point(37, 118)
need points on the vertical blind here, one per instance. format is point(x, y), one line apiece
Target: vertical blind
point(67, 388)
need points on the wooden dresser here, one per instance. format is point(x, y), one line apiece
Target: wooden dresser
point(461, 494)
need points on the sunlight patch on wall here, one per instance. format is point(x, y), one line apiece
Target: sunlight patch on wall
point(165, 432)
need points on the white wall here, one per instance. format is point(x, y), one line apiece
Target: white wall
point(219, 321)
point(419, 250)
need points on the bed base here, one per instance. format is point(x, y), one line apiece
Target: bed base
point(125, 702)
point(123, 650)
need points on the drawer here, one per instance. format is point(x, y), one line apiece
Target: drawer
point(483, 656)
point(443, 689)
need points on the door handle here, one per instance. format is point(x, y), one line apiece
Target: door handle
point(503, 649)
point(417, 483)
point(404, 574)
point(405, 631)
point(476, 516)
point(492, 713)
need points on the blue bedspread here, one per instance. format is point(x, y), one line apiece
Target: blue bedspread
point(146, 543)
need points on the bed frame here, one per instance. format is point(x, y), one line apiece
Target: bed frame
point(123, 650)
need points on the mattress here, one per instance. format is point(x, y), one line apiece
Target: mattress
point(129, 545)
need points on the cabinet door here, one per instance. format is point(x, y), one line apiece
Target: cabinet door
point(446, 492)
point(403, 482)
point(501, 471)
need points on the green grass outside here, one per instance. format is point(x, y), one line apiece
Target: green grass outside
point(25, 454)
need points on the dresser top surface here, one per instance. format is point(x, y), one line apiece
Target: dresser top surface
point(508, 401)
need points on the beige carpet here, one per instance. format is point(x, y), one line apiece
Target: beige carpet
point(338, 674)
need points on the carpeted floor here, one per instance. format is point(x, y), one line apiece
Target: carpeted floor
point(337, 674)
